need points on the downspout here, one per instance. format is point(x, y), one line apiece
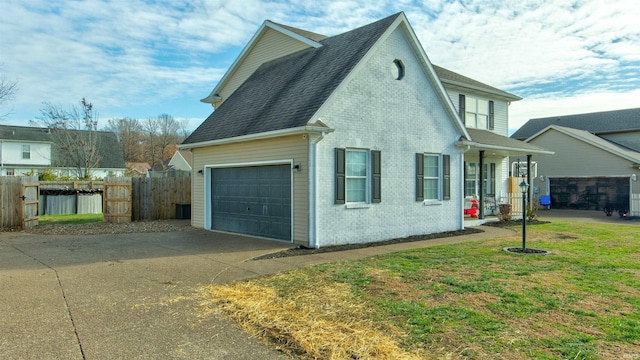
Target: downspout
point(313, 181)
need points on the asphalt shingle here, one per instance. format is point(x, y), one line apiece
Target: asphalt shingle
point(286, 92)
point(595, 123)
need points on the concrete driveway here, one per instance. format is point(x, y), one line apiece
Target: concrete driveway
point(131, 296)
point(124, 296)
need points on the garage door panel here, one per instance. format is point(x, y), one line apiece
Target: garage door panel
point(252, 200)
point(589, 193)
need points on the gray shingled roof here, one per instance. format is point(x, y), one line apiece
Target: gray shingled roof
point(286, 92)
point(488, 138)
point(596, 123)
point(108, 148)
point(453, 78)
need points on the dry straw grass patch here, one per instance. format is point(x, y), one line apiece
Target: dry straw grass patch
point(305, 323)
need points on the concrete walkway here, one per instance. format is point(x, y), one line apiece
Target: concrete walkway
point(130, 296)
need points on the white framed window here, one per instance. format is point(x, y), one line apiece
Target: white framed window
point(432, 173)
point(356, 176)
point(476, 113)
point(472, 179)
point(26, 152)
point(433, 177)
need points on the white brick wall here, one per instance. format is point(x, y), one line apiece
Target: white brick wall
point(400, 118)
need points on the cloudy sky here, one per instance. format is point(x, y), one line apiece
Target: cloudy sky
point(141, 58)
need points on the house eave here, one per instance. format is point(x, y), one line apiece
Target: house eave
point(502, 95)
point(260, 136)
point(211, 99)
point(507, 149)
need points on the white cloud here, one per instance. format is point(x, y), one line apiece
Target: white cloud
point(127, 55)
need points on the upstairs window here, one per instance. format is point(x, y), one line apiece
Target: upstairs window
point(26, 152)
point(476, 113)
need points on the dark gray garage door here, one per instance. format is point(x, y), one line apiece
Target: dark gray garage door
point(253, 200)
point(589, 193)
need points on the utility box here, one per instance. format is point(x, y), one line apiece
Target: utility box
point(183, 211)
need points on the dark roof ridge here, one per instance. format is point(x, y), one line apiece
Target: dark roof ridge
point(286, 92)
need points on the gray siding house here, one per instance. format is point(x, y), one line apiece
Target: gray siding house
point(596, 162)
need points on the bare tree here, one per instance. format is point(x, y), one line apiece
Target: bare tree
point(160, 133)
point(76, 136)
point(130, 135)
point(8, 90)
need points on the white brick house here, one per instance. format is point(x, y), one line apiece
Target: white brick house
point(346, 139)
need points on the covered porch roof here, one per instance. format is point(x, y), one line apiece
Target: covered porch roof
point(498, 145)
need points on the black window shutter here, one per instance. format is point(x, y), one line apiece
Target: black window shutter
point(376, 172)
point(491, 121)
point(461, 107)
point(340, 176)
point(419, 177)
point(446, 177)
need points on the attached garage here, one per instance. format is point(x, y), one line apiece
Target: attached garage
point(252, 200)
point(589, 193)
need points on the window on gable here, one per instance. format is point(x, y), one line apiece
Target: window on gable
point(477, 113)
point(358, 175)
point(26, 152)
point(432, 177)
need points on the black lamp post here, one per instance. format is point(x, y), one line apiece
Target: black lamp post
point(524, 187)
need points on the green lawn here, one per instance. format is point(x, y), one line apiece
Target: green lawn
point(70, 219)
point(468, 300)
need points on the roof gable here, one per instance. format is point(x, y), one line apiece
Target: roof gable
point(285, 92)
point(301, 38)
point(597, 122)
point(592, 140)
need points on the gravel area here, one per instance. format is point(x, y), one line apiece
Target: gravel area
point(101, 228)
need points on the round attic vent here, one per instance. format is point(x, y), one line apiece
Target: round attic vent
point(397, 69)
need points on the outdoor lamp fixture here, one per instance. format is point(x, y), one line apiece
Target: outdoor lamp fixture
point(524, 187)
point(634, 177)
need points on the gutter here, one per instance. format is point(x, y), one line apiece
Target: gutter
point(260, 136)
point(507, 148)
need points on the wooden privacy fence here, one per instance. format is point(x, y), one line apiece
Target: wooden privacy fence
point(20, 201)
point(134, 199)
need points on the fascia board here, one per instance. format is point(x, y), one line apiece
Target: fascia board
point(505, 148)
point(260, 136)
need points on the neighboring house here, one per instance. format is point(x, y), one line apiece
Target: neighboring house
point(137, 169)
point(25, 150)
point(181, 160)
point(596, 161)
point(352, 138)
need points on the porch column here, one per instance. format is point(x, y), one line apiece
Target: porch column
point(481, 187)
